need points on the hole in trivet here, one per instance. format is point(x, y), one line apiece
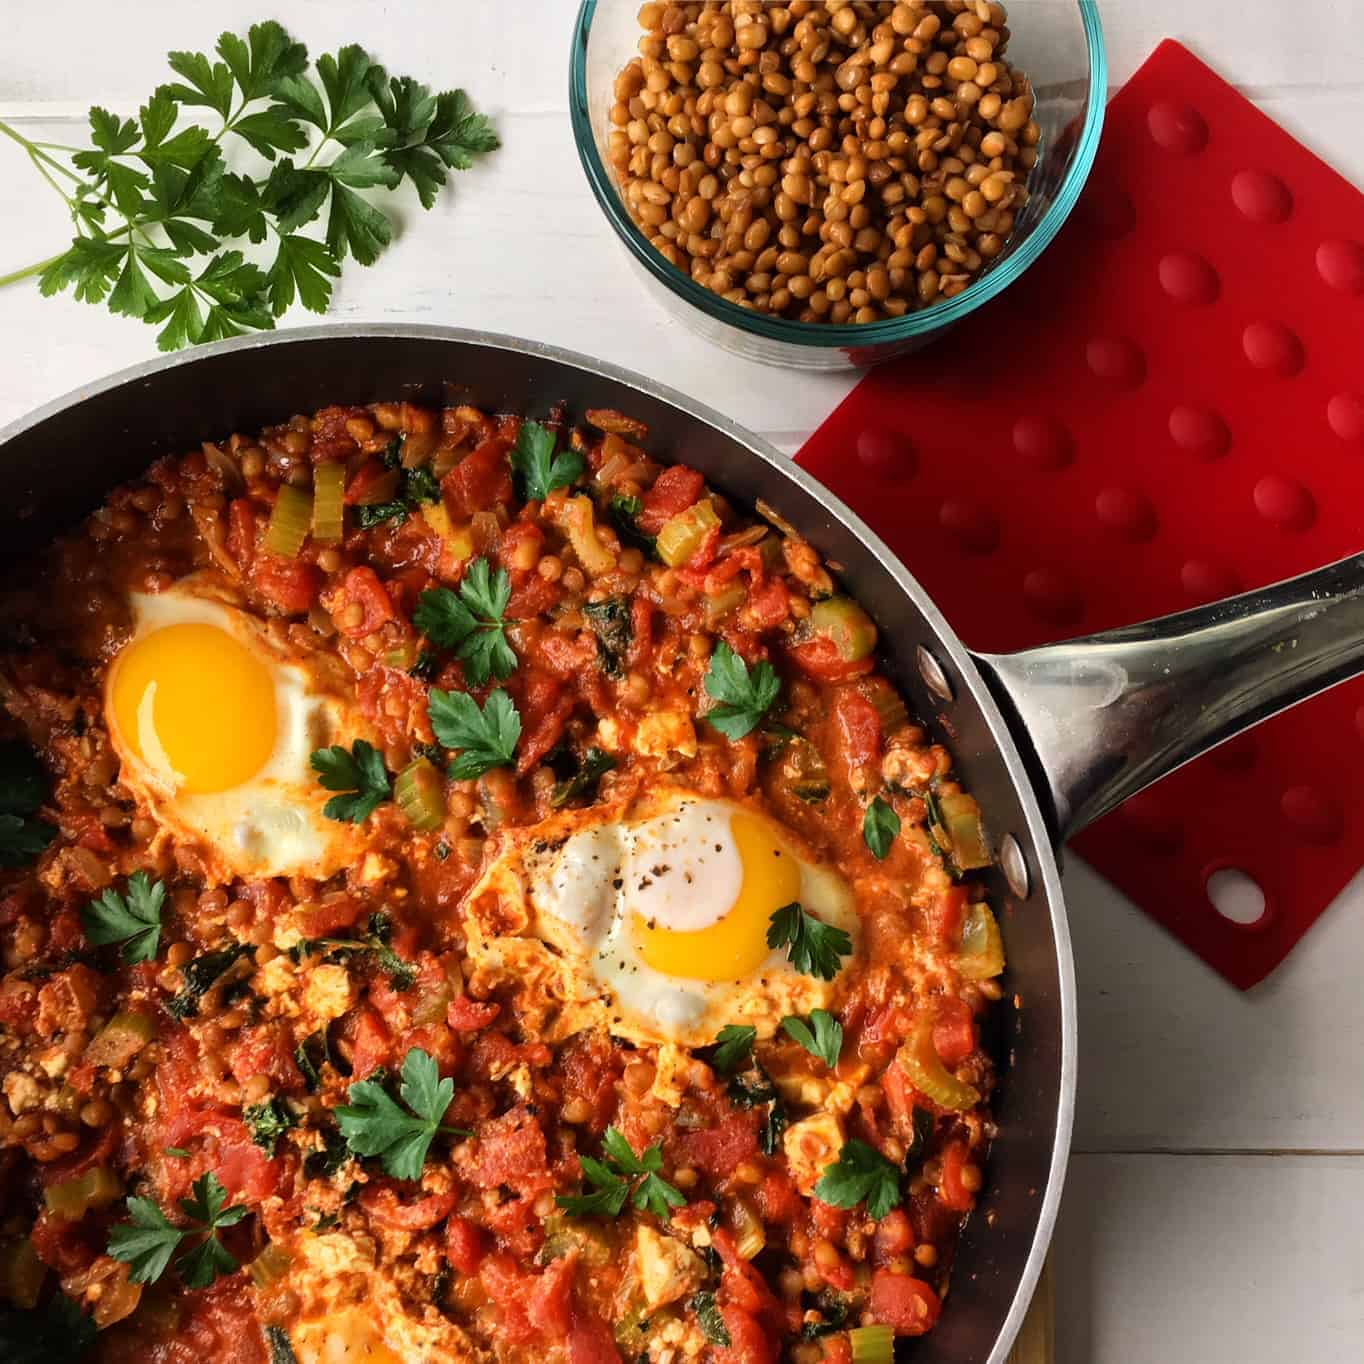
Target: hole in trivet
point(1236, 896)
point(935, 679)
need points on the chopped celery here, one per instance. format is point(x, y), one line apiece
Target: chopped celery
point(579, 520)
point(719, 605)
point(403, 656)
point(329, 501)
point(119, 1040)
point(289, 521)
point(805, 772)
point(921, 1062)
point(21, 1274)
point(749, 1236)
point(982, 948)
point(269, 1267)
point(420, 795)
point(872, 1344)
point(890, 706)
point(961, 822)
point(845, 623)
point(684, 533)
point(458, 540)
point(73, 1198)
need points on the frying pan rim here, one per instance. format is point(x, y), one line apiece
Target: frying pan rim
point(1043, 862)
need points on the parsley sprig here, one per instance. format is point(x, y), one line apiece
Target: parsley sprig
point(745, 694)
point(812, 946)
point(880, 828)
point(472, 622)
point(161, 218)
point(732, 1048)
point(400, 1134)
point(533, 458)
point(150, 1240)
point(622, 1175)
point(821, 1036)
point(486, 735)
point(23, 788)
point(360, 776)
point(861, 1174)
point(133, 918)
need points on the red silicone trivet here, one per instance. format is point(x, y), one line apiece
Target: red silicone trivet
point(1168, 408)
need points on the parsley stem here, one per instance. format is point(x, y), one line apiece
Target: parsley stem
point(29, 270)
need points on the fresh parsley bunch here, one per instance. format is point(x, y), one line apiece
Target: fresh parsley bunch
point(161, 215)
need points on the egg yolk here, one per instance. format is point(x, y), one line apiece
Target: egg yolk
point(735, 945)
point(196, 705)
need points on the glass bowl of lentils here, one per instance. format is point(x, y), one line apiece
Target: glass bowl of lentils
point(825, 184)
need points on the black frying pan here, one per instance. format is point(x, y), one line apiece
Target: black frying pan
point(1048, 739)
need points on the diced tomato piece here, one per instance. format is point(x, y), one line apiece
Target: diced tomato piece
point(511, 1150)
point(361, 487)
point(289, 585)
point(329, 916)
point(382, 1202)
point(362, 587)
point(830, 1222)
point(566, 657)
point(770, 604)
point(591, 1068)
point(857, 728)
point(241, 532)
point(266, 1049)
point(717, 1150)
point(907, 1305)
point(749, 1342)
point(218, 1324)
point(675, 489)
point(590, 1340)
point(899, 1092)
point(468, 1015)
point(837, 1350)
point(954, 1031)
point(464, 1244)
point(819, 658)
point(95, 1151)
point(514, 541)
point(516, 1227)
point(546, 707)
point(480, 481)
point(945, 915)
point(534, 597)
point(779, 1199)
point(65, 932)
point(951, 1191)
point(894, 1236)
point(62, 1245)
point(371, 1042)
point(533, 1306)
point(245, 1170)
point(744, 1284)
point(642, 632)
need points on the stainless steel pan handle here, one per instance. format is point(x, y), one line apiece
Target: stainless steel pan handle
point(1103, 716)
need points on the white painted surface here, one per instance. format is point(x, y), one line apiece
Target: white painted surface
point(1183, 1258)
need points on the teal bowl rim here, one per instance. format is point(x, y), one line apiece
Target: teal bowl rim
point(921, 324)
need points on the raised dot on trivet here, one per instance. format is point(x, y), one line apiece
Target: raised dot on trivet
point(1052, 597)
point(1205, 581)
point(1341, 264)
point(1274, 347)
point(1313, 814)
point(1043, 442)
point(1188, 278)
point(887, 453)
point(1261, 197)
point(1127, 513)
point(1345, 416)
point(1117, 359)
point(1106, 210)
point(969, 526)
point(1236, 755)
point(1151, 823)
point(1200, 431)
point(1177, 127)
point(1285, 502)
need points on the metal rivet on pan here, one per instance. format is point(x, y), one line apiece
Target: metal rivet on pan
point(935, 679)
point(1015, 866)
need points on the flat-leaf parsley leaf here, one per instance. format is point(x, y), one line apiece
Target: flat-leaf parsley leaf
point(133, 918)
point(149, 1240)
point(542, 470)
point(861, 1174)
point(745, 694)
point(359, 775)
point(487, 735)
point(812, 946)
point(880, 827)
point(731, 1049)
point(822, 1036)
point(622, 1175)
point(375, 1124)
point(472, 622)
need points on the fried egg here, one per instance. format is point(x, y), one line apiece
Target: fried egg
point(652, 919)
point(215, 723)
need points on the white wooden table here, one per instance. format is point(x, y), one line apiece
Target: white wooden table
point(1216, 1198)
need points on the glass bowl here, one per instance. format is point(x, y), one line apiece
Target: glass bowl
point(1057, 43)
